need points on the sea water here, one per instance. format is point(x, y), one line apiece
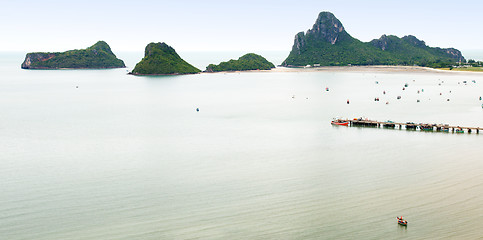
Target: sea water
point(99, 154)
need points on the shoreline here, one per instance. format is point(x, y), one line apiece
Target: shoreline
point(372, 68)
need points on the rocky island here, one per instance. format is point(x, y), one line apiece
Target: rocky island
point(161, 59)
point(250, 61)
point(328, 44)
point(97, 56)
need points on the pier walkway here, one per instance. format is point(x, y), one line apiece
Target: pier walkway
point(411, 126)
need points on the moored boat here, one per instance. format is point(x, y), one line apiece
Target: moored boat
point(340, 123)
point(401, 221)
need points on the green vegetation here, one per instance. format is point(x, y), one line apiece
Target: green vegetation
point(250, 61)
point(469, 69)
point(328, 44)
point(98, 55)
point(161, 59)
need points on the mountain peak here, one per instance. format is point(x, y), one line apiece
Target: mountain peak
point(414, 41)
point(327, 27)
point(101, 46)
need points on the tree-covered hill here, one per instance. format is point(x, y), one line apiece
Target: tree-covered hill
point(250, 61)
point(328, 44)
point(161, 59)
point(97, 56)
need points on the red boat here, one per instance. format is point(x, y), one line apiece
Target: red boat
point(340, 123)
point(401, 221)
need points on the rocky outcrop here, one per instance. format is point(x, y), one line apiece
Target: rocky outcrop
point(414, 41)
point(327, 28)
point(36, 57)
point(381, 43)
point(455, 53)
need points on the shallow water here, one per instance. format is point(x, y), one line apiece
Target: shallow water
point(125, 157)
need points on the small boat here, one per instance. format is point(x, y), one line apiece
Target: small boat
point(459, 130)
point(426, 127)
point(444, 129)
point(401, 221)
point(340, 123)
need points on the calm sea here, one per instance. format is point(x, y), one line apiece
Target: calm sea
point(99, 154)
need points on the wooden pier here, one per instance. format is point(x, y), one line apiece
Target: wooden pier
point(411, 126)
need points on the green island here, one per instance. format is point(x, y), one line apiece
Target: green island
point(161, 59)
point(249, 61)
point(97, 56)
point(328, 44)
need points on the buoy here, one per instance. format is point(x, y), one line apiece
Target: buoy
point(404, 88)
point(384, 92)
point(418, 100)
point(480, 98)
point(197, 109)
point(347, 101)
point(78, 87)
point(327, 89)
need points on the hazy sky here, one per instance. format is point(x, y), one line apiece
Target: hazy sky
point(242, 25)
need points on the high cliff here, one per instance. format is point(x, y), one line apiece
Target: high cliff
point(97, 56)
point(249, 61)
point(328, 44)
point(161, 59)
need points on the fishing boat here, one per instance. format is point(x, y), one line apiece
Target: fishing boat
point(401, 221)
point(340, 122)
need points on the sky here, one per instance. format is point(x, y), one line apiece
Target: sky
point(213, 25)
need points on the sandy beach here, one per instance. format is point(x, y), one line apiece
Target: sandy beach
point(376, 68)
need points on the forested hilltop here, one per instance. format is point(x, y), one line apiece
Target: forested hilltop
point(161, 59)
point(250, 61)
point(328, 44)
point(98, 55)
